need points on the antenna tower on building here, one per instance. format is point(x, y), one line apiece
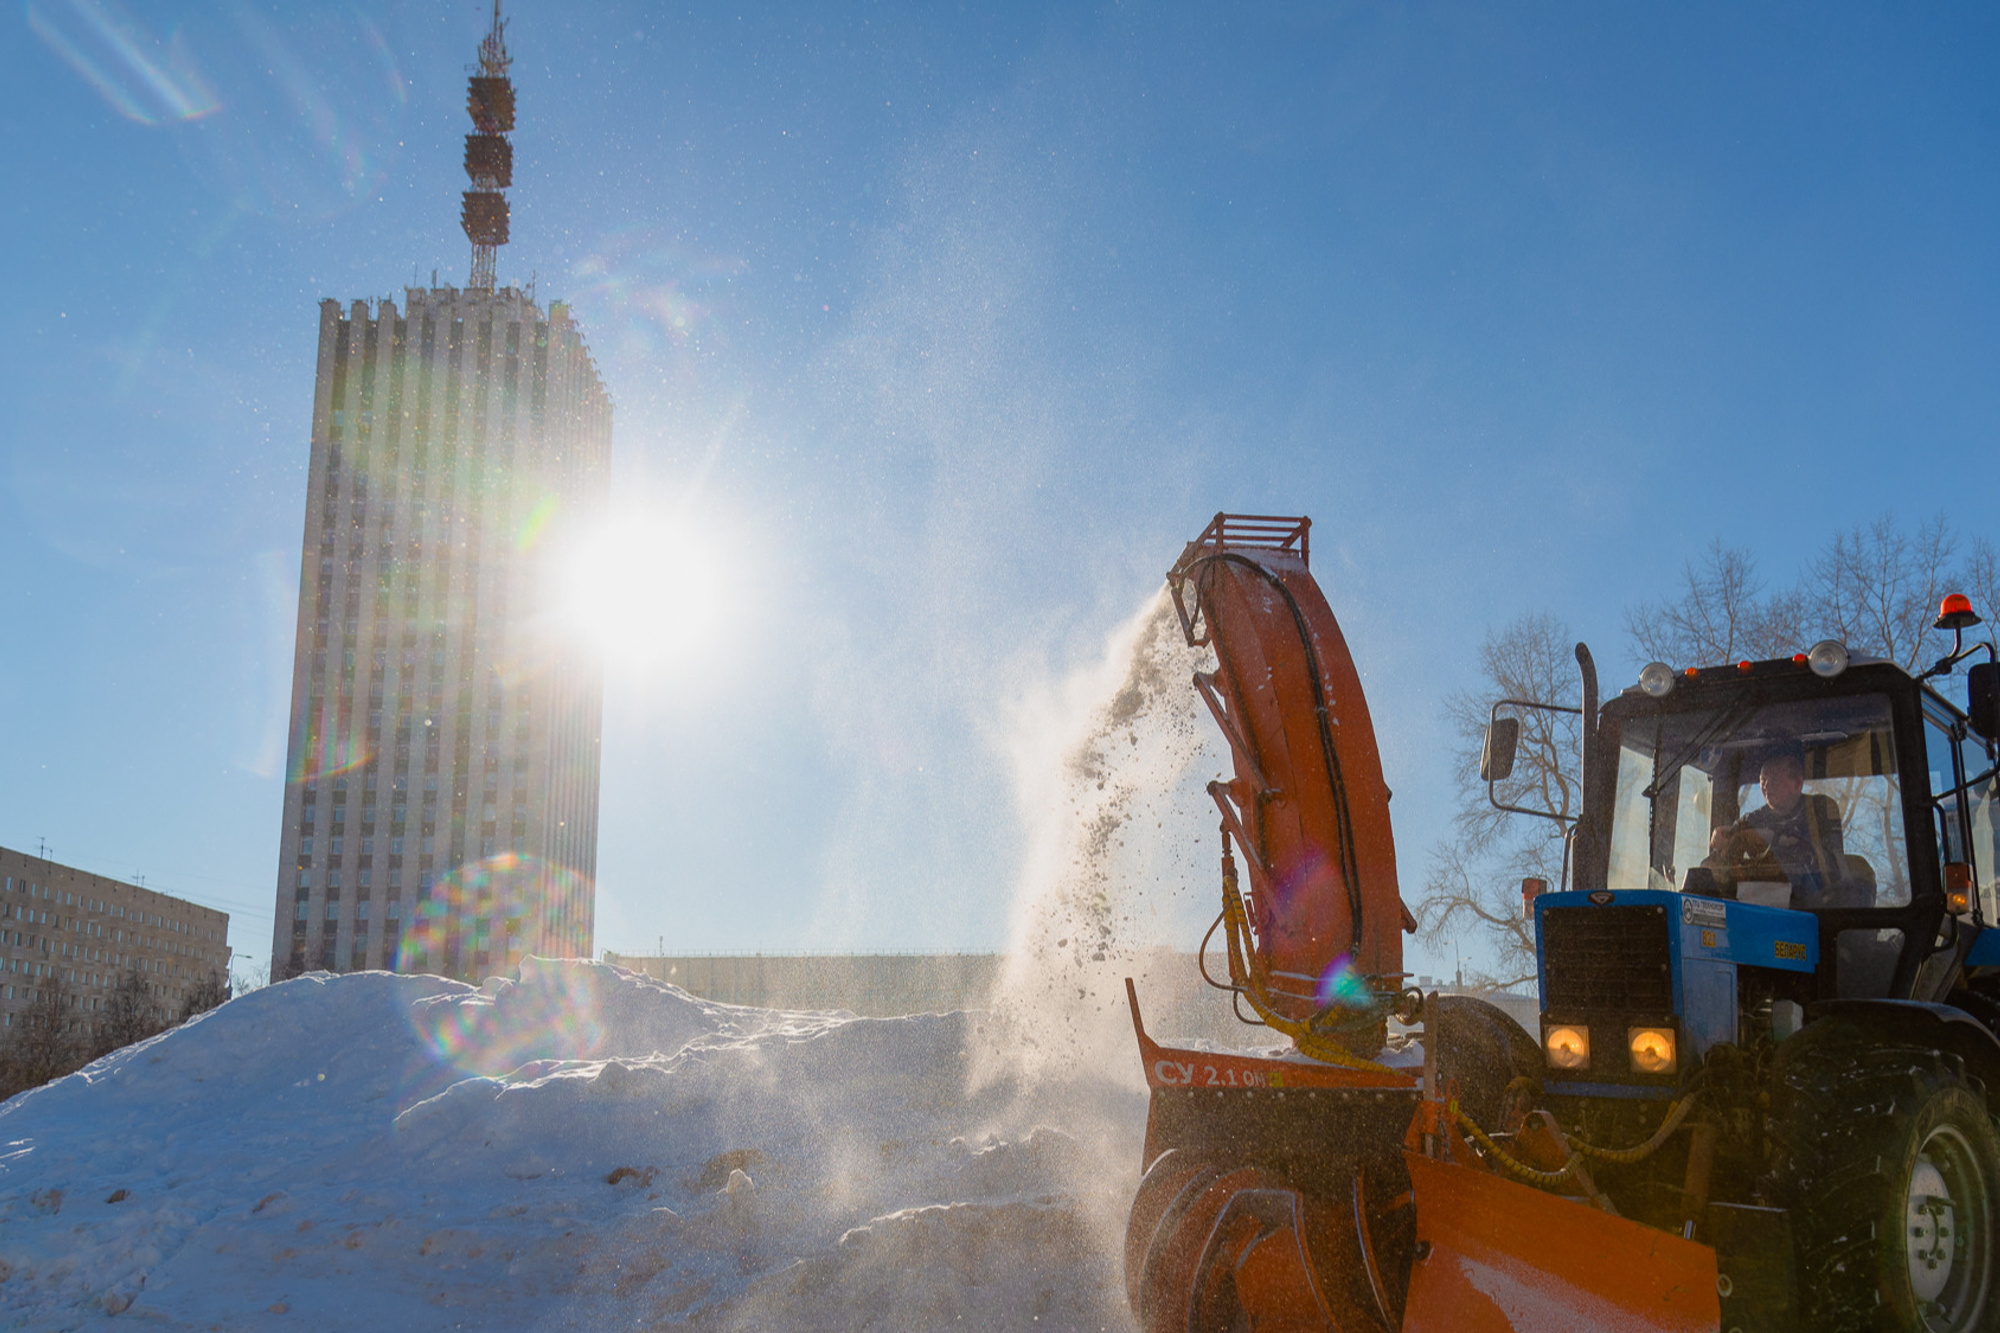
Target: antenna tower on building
point(489, 156)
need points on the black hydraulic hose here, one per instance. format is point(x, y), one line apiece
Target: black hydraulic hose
point(1343, 816)
point(1201, 956)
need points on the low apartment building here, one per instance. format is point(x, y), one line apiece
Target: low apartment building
point(58, 921)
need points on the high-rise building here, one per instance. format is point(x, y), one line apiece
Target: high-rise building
point(441, 794)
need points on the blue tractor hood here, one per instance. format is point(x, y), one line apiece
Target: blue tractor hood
point(1612, 958)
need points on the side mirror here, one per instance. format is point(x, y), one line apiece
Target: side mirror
point(1982, 698)
point(1503, 737)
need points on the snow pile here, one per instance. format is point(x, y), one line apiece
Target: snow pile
point(581, 1148)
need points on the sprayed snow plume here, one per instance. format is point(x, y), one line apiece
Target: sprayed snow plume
point(578, 1149)
point(1109, 777)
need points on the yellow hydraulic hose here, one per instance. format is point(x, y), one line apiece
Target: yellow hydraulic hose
point(1247, 975)
point(1578, 1148)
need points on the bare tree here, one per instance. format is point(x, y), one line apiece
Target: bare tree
point(130, 1014)
point(44, 1042)
point(203, 996)
point(1878, 590)
point(1473, 879)
point(250, 978)
point(1980, 578)
point(1464, 893)
point(1720, 615)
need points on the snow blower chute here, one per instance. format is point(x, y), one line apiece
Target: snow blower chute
point(1342, 1187)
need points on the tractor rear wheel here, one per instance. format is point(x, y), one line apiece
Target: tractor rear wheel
point(1890, 1162)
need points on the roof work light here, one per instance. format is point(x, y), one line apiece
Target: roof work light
point(1657, 679)
point(1827, 658)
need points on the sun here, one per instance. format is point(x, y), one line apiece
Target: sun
point(646, 586)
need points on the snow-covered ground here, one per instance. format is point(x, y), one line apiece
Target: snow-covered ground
point(582, 1148)
point(579, 1148)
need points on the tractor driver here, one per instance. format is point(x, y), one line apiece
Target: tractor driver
point(1800, 832)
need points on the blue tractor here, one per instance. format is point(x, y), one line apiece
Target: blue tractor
point(1783, 936)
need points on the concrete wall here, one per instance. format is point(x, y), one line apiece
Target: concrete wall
point(1172, 995)
point(1173, 998)
point(876, 985)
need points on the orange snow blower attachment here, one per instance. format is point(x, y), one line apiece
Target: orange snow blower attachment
point(1321, 928)
point(1355, 1185)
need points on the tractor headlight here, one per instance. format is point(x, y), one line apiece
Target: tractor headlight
point(1567, 1046)
point(1652, 1050)
point(1657, 679)
point(1827, 658)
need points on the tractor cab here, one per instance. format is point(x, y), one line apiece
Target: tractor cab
point(1863, 798)
point(1756, 839)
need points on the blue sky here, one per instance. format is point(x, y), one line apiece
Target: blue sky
point(946, 327)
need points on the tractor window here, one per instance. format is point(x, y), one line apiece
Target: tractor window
point(1982, 800)
point(1790, 804)
point(1693, 808)
point(1941, 755)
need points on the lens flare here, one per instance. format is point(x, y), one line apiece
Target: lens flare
point(312, 114)
point(143, 78)
point(1342, 986)
point(330, 753)
point(490, 906)
point(535, 524)
point(651, 291)
point(558, 1018)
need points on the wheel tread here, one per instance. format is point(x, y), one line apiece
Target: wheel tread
point(1844, 1117)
